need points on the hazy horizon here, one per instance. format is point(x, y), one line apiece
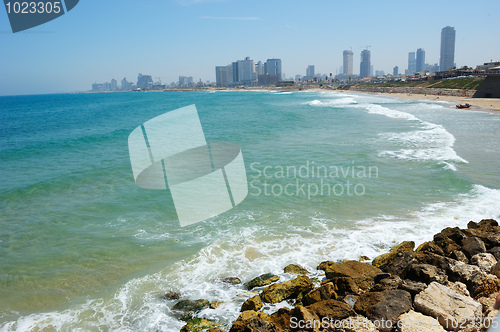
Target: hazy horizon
point(96, 42)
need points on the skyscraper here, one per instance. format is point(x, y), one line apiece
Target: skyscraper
point(273, 67)
point(365, 66)
point(309, 72)
point(347, 67)
point(395, 71)
point(412, 63)
point(420, 60)
point(447, 58)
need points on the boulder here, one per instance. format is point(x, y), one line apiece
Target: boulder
point(393, 282)
point(253, 303)
point(495, 251)
point(488, 311)
point(495, 270)
point(385, 306)
point(412, 287)
point(403, 246)
point(472, 246)
point(251, 321)
point(214, 304)
point(395, 263)
point(295, 269)
point(485, 225)
point(361, 273)
point(307, 319)
point(459, 271)
point(324, 265)
point(286, 290)
point(430, 247)
point(458, 287)
point(449, 239)
point(344, 285)
point(450, 308)
point(199, 324)
point(281, 319)
point(191, 305)
point(483, 284)
point(231, 280)
point(331, 309)
point(413, 321)
point(324, 292)
point(171, 296)
point(484, 260)
point(426, 273)
point(262, 280)
point(459, 256)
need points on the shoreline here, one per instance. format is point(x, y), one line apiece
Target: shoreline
point(478, 104)
point(452, 279)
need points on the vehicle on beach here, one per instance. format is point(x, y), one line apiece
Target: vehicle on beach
point(464, 106)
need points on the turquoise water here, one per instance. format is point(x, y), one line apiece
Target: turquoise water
point(83, 247)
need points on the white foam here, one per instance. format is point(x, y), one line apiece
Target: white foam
point(250, 251)
point(332, 102)
point(390, 113)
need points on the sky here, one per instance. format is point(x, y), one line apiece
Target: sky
point(101, 40)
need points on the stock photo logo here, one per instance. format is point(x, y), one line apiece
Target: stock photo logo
point(170, 152)
point(25, 15)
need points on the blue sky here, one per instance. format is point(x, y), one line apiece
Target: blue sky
point(101, 40)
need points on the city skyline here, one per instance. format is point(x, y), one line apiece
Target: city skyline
point(191, 37)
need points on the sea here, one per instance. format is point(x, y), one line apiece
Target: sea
point(331, 176)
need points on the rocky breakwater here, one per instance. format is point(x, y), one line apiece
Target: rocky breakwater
point(447, 284)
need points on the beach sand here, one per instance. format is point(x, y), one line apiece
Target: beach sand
point(489, 104)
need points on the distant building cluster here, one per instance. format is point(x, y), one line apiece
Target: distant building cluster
point(248, 73)
point(144, 82)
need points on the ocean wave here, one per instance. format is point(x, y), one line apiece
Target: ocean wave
point(245, 253)
point(332, 102)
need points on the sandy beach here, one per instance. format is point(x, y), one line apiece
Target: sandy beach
point(489, 104)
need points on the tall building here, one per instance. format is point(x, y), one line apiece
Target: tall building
point(244, 71)
point(272, 72)
point(259, 68)
point(144, 81)
point(221, 75)
point(412, 63)
point(347, 66)
point(309, 72)
point(185, 80)
point(273, 67)
point(365, 66)
point(114, 85)
point(420, 66)
point(447, 58)
point(395, 71)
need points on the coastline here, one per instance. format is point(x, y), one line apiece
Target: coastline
point(478, 104)
point(448, 283)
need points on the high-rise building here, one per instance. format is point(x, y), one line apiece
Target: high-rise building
point(272, 72)
point(365, 66)
point(420, 66)
point(447, 58)
point(412, 63)
point(395, 71)
point(309, 72)
point(144, 81)
point(244, 71)
point(185, 80)
point(114, 85)
point(273, 67)
point(259, 68)
point(347, 65)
